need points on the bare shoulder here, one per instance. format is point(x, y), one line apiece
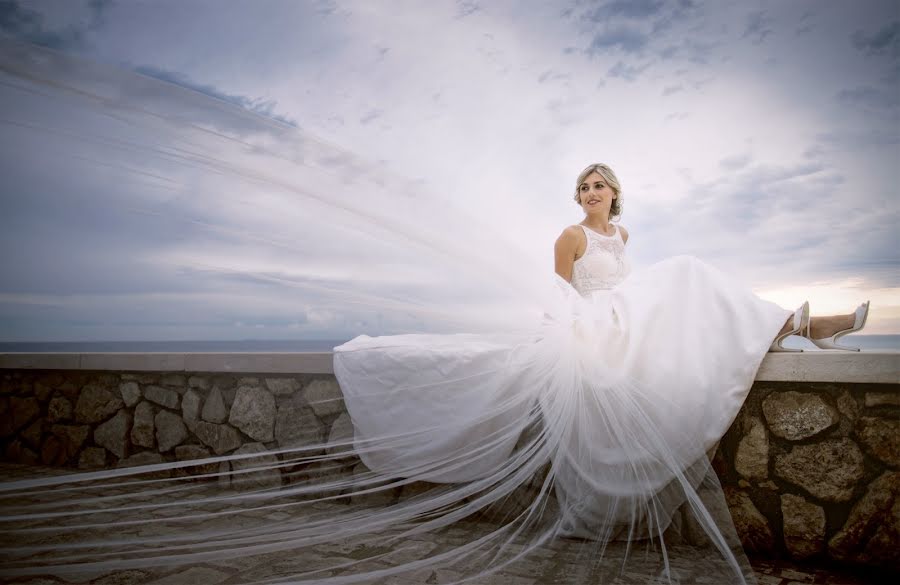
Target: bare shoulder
point(624, 234)
point(570, 237)
point(572, 232)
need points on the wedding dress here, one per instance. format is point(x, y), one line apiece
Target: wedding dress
point(530, 410)
point(636, 375)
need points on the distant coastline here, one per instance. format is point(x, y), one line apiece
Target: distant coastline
point(242, 346)
point(866, 342)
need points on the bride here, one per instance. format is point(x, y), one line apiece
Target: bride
point(634, 378)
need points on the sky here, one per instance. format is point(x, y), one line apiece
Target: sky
point(761, 137)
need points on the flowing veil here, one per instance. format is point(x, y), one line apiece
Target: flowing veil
point(504, 461)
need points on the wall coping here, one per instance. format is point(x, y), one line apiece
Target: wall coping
point(879, 367)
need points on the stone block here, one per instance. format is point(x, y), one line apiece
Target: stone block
point(141, 378)
point(70, 389)
point(146, 458)
point(21, 411)
point(19, 453)
point(880, 437)
point(752, 527)
point(162, 396)
point(221, 438)
point(142, 430)
point(283, 386)
point(253, 412)
point(190, 453)
point(33, 434)
point(243, 479)
point(297, 426)
point(42, 391)
point(105, 380)
point(200, 382)
point(829, 470)
point(190, 407)
point(71, 436)
point(324, 397)
point(53, 452)
point(214, 410)
point(804, 526)
point(340, 437)
point(874, 399)
point(872, 530)
point(92, 458)
point(170, 430)
point(797, 415)
point(59, 409)
point(176, 381)
point(113, 434)
point(130, 392)
point(847, 406)
point(752, 458)
point(96, 404)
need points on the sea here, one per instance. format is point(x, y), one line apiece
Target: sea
point(865, 342)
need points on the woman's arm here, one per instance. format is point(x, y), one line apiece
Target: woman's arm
point(564, 252)
point(624, 234)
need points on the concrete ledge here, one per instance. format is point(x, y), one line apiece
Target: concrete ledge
point(831, 366)
point(813, 366)
point(259, 363)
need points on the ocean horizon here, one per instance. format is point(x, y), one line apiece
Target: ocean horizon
point(865, 342)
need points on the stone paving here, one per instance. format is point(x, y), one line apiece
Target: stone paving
point(562, 561)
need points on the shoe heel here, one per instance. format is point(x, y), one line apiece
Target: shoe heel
point(801, 319)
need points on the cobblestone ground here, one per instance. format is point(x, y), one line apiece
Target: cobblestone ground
point(560, 562)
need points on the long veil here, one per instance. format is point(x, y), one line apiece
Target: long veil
point(508, 467)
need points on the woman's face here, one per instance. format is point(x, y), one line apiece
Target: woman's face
point(595, 194)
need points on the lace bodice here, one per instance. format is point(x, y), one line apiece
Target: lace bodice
point(603, 264)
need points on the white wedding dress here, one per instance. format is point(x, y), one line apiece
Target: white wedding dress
point(632, 377)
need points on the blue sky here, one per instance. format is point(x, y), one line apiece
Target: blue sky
point(760, 136)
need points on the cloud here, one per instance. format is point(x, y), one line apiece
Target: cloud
point(885, 40)
point(550, 75)
point(869, 97)
point(627, 40)
point(758, 26)
point(736, 162)
point(677, 116)
point(260, 106)
point(672, 89)
point(627, 72)
point(636, 9)
point(29, 25)
point(371, 116)
point(466, 8)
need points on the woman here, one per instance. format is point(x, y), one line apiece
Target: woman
point(636, 376)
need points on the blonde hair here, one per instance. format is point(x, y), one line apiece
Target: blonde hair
point(615, 210)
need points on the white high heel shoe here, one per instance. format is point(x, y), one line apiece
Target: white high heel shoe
point(801, 321)
point(862, 312)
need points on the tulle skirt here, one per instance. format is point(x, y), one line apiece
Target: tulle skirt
point(614, 401)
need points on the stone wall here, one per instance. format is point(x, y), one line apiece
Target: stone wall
point(93, 420)
point(810, 470)
point(813, 471)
